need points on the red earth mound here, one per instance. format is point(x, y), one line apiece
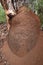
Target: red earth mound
point(24, 32)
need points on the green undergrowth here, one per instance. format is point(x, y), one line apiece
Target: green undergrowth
point(2, 15)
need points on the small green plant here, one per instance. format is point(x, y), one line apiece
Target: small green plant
point(2, 15)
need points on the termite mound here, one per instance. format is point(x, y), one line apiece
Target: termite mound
point(24, 32)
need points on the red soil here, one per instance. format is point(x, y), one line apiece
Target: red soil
point(34, 57)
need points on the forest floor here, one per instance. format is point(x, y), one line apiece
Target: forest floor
point(3, 30)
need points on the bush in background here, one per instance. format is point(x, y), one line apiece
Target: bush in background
point(37, 7)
